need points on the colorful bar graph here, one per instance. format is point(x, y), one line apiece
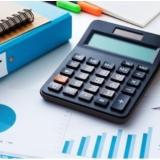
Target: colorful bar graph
point(99, 146)
point(129, 146)
point(130, 151)
point(83, 146)
point(67, 147)
point(145, 145)
point(115, 145)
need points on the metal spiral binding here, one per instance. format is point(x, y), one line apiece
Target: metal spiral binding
point(16, 20)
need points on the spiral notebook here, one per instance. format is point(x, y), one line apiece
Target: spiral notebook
point(16, 20)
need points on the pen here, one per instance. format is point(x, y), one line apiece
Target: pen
point(69, 6)
point(90, 8)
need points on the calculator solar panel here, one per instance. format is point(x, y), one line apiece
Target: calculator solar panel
point(106, 73)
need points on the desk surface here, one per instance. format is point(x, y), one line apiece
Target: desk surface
point(20, 90)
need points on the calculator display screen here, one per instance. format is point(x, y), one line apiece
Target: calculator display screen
point(123, 48)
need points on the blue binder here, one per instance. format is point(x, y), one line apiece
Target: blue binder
point(23, 49)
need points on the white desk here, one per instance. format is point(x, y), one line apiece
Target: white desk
point(41, 127)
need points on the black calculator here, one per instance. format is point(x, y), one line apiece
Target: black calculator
point(107, 72)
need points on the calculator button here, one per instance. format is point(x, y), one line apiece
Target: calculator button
point(73, 64)
point(55, 87)
point(85, 96)
point(70, 91)
point(107, 93)
point(102, 73)
point(76, 83)
point(82, 76)
point(117, 77)
point(129, 90)
point(107, 65)
point(91, 88)
point(67, 72)
point(142, 68)
point(121, 102)
point(139, 74)
point(134, 82)
point(123, 70)
point(127, 64)
point(102, 102)
point(87, 68)
point(61, 79)
point(112, 85)
point(97, 80)
point(93, 62)
point(79, 57)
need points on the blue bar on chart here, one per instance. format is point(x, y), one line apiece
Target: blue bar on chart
point(83, 146)
point(97, 151)
point(128, 153)
point(145, 145)
point(67, 147)
point(115, 145)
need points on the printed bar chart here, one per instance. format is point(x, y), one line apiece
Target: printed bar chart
point(83, 146)
point(129, 146)
point(145, 144)
point(99, 146)
point(99, 142)
point(114, 145)
point(67, 147)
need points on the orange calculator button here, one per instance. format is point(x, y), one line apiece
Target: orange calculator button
point(61, 79)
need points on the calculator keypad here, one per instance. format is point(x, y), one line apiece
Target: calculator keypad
point(99, 84)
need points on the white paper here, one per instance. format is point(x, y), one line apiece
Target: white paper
point(139, 13)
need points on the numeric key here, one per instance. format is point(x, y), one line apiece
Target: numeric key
point(85, 96)
point(67, 72)
point(112, 85)
point(107, 93)
point(102, 102)
point(87, 68)
point(91, 88)
point(55, 87)
point(76, 83)
point(97, 80)
point(73, 64)
point(117, 77)
point(102, 73)
point(82, 76)
point(69, 91)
